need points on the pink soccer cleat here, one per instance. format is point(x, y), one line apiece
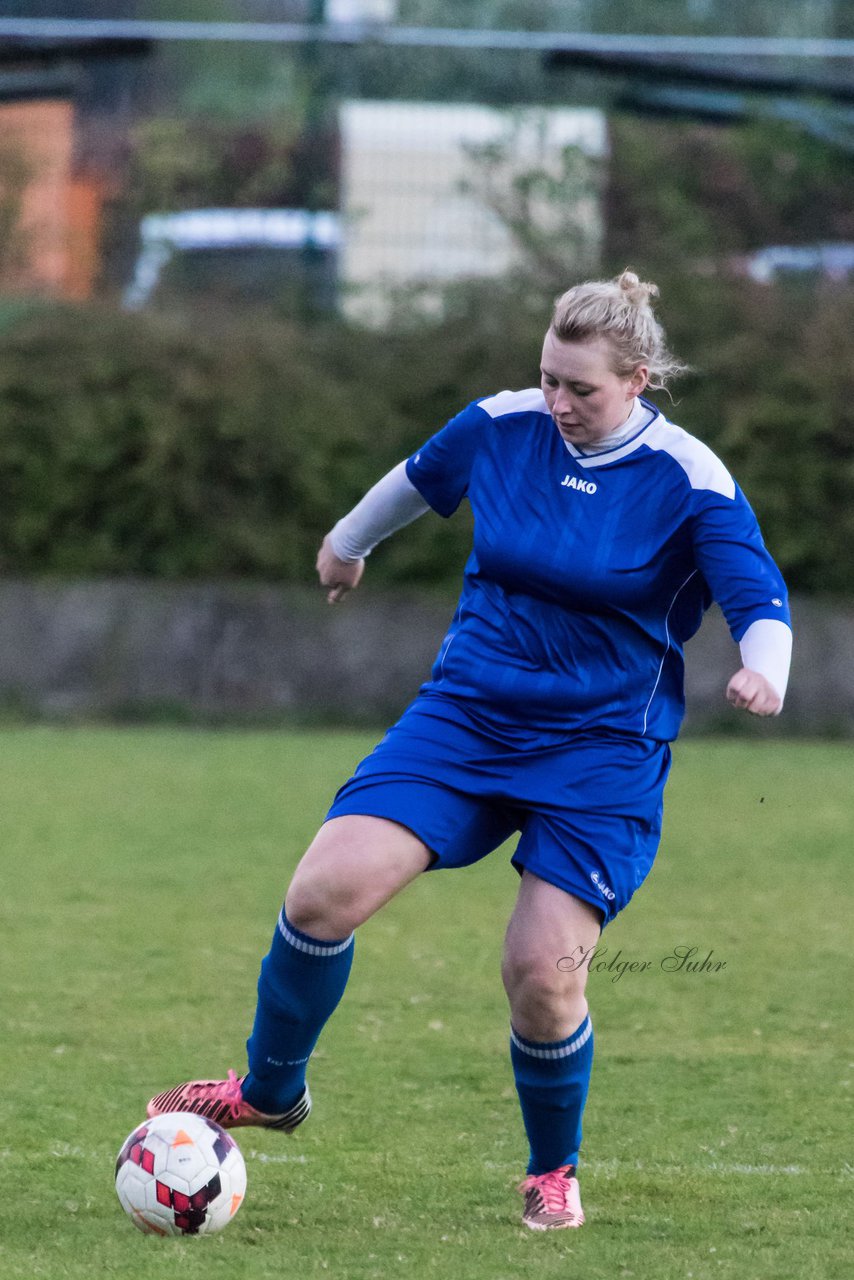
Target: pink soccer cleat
point(552, 1200)
point(222, 1101)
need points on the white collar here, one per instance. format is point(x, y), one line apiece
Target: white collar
point(638, 418)
point(624, 439)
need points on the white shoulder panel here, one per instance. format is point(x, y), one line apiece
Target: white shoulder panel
point(702, 467)
point(529, 401)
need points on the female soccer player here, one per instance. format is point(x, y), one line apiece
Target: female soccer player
point(602, 532)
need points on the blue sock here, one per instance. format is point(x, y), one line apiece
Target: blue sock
point(302, 980)
point(552, 1081)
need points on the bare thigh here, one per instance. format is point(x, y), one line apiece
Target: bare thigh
point(354, 865)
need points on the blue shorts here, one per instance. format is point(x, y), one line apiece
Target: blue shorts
point(588, 805)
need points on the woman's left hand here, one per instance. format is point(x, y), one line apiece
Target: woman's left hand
point(751, 691)
point(340, 576)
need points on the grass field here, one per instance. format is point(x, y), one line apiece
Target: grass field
point(142, 875)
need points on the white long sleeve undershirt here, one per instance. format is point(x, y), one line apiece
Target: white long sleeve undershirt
point(393, 502)
point(766, 647)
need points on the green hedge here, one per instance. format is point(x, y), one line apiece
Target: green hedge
point(211, 447)
point(773, 394)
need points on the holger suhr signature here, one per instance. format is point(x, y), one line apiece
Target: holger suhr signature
point(680, 959)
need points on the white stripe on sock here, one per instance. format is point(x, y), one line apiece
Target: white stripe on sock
point(563, 1051)
point(311, 948)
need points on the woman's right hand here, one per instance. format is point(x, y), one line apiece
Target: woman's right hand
point(340, 576)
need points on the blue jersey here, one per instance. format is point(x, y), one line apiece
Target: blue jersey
point(588, 572)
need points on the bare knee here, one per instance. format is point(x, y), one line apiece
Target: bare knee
point(354, 865)
point(321, 905)
point(546, 1002)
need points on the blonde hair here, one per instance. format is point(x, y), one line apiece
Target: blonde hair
point(619, 310)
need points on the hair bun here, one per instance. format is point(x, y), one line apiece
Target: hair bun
point(636, 293)
point(621, 311)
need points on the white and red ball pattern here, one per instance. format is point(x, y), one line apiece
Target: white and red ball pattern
point(180, 1175)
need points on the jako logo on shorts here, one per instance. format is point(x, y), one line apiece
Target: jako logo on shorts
point(602, 887)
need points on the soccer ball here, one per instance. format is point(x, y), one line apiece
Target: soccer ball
point(180, 1175)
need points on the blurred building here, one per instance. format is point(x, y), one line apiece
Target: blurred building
point(417, 208)
point(50, 215)
point(59, 162)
